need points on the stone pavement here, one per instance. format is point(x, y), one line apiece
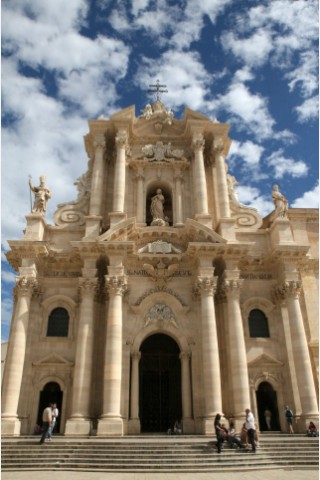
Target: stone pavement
point(277, 474)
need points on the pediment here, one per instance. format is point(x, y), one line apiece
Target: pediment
point(265, 360)
point(53, 359)
point(192, 231)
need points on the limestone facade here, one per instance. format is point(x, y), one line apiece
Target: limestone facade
point(129, 319)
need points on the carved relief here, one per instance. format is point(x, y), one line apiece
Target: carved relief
point(160, 313)
point(161, 153)
point(160, 273)
point(245, 216)
point(116, 285)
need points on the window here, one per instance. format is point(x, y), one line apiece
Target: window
point(258, 324)
point(58, 323)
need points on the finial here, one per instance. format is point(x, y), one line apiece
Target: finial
point(157, 89)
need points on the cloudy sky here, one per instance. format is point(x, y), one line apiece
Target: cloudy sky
point(252, 63)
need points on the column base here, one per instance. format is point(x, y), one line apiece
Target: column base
point(205, 219)
point(134, 427)
point(93, 226)
point(116, 217)
point(78, 426)
point(10, 427)
point(207, 426)
point(301, 422)
point(110, 426)
point(188, 426)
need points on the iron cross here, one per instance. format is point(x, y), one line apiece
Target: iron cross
point(157, 89)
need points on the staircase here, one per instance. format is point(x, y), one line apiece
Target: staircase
point(157, 453)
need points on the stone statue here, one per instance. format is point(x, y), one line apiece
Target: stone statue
point(157, 209)
point(147, 111)
point(41, 196)
point(280, 202)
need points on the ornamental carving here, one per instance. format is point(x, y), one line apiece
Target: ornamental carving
point(161, 153)
point(73, 212)
point(26, 286)
point(87, 286)
point(287, 289)
point(160, 273)
point(206, 285)
point(231, 286)
point(245, 216)
point(198, 141)
point(121, 138)
point(116, 285)
point(158, 289)
point(160, 314)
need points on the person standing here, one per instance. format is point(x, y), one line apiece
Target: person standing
point(267, 417)
point(220, 432)
point(251, 428)
point(46, 422)
point(55, 414)
point(289, 417)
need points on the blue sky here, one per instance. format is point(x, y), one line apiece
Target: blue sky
point(253, 64)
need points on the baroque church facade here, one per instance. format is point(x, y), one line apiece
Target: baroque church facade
point(157, 296)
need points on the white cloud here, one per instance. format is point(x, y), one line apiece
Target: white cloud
point(286, 166)
point(308, 110)
point(249, 152)
point(253, 50)
point(309, 199)
point(306, 74)
point(186, 78)
point(8, 277)
point(251, 109)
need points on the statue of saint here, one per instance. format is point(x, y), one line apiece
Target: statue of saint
point(280, 202)
point(157, 209)
point(41, 196)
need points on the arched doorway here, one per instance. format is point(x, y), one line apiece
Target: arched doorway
point(160, 383)
point(51, 393)
point(267, 399)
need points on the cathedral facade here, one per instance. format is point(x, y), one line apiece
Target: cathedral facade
point(157, 296)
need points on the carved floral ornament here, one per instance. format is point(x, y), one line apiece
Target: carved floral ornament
point(206, 285)
point(287, 289)
point(116, 285)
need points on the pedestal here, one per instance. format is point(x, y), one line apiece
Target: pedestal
point(117, 217)
point(80, 427)
point(134, 427)
point(10, 427)
point(226, 229)
point(93, 226)
point(281, 233)
point(110, 426)
point(36, 225)
point(205, 219)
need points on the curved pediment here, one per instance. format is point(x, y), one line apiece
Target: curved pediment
point(178, 238)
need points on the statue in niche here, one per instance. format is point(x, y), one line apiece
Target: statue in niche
point(158, 218)
point(280, 202)
point(41, 196)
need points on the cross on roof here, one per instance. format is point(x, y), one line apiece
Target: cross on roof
point(157, 89)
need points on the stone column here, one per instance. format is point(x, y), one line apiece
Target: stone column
point(178, 177)
point(93, 220)
point(140, 196)
point(200, 184)
point(79, 422)
point(134, 423)
point(231, 286)
point(210, 352)
point(291, 291)
point(111, 420)
point(186, 391)
point(120, 172)
point(16, 354)
point(222, 185)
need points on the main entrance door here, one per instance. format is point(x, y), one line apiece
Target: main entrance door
point(160, 384)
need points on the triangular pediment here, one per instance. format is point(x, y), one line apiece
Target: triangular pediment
point(125, 114)
point(53, 359)
point(264, 360)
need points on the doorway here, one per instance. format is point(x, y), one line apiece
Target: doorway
point(159, 384)
point(51, 393)
point(267, 400)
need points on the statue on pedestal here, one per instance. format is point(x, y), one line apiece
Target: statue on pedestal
point(41, 196)
point(280, 203)
point(156, 209)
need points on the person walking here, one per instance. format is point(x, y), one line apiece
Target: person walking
point(289, 417)
point(46, 422)
point(251, 428)
point(55, 414)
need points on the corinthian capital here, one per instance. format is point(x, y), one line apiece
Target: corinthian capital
point(231, 286)
point(87, 286)
point(287, 289)
point(116, 285)
point(207, 285)
point(198, 141)
point(121, 138)
point(218, 146)
point(99, 142)
point(25, 286)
